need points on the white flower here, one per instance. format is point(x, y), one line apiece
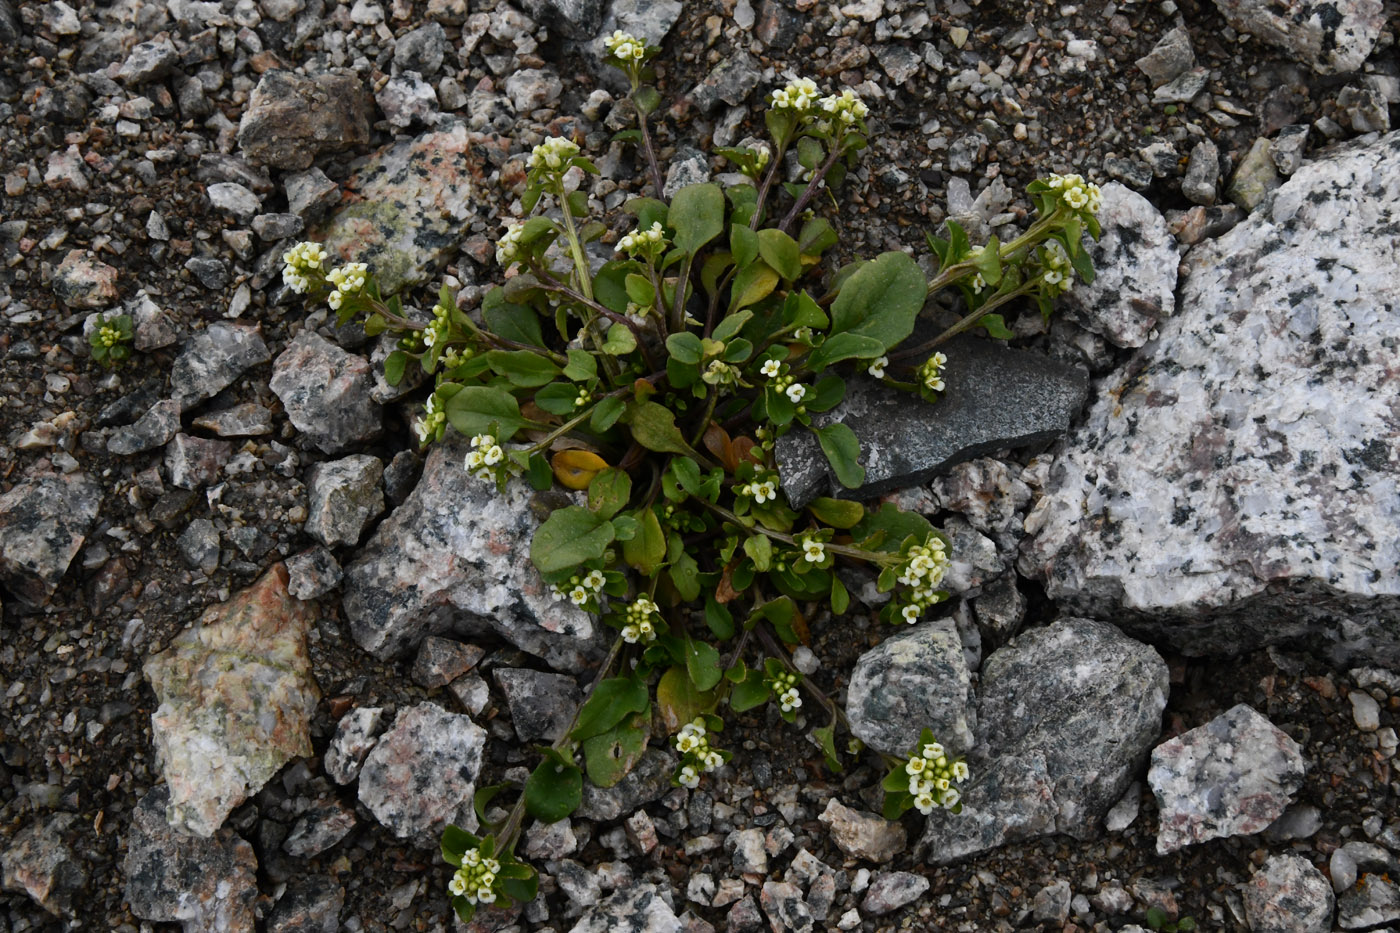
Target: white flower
point(925, 803)
point(713, 760)
point(800, 94)
point(457, 885)
point(796, 392)
point(960, 772)
point(578, 596)
point(877, 368)
point(933, 751)
point(789, 700)
point(931, 372)
point(552, 153)
point(911, 614)
point(298, 261)
point(486, 895)
point(689, 778)
point(595, 580)
point(814, 552)
point(765, 491)
point(846, 107)
point(494, 455)
point(771, 368)
point(951, 797)
point(914, 766)
point(508, 246)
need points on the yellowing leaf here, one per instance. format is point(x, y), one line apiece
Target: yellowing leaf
point(575, 469)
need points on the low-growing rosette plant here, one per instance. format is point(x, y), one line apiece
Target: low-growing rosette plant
point(653, 387)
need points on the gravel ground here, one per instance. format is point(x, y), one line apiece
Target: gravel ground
point(1004, 90)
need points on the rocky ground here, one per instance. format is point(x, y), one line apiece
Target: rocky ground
point(1224, 492)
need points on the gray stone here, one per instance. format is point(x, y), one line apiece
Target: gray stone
point(1366, 109)
point(892, 890)
point(215, 167)
point(1183, 88)
point(44, 520)
point(271, 227)
point(911, 681)
point(345, 496)
point(192, 462)
point(1135, 264)
point(199, 546)
point(407, 99)
point(988, 493)
point(541, 705)
point(291, 118)
point(39, 863)
point(743, 916)
point(531, 89)
point(578, 883)
point(1202, 174)
point(730, 82)
point(899, 62)
point(651, 20)
point(310, 193)
point(442, 660)
point(212, 359)
point(1256, 421)
point(782, 901)
point(82, 281)
point(313, 573)
point(973, 559)
point(997, 398)
point(863, 835)
point(1000, 610)
point(233, 199)
point(1231, 777)
point(1125, 812)
point(210, 272)
point(310, 905)
point(209, 885)
point(648, 781)
point(1300, 821)
point(472, 692)
point(355, 735)
point(1288, 146)
point(1288, 895)
point(1369, 905)
point(153, 429)
point(152, 328)
point(1254, 178)
point(1171, 56)
point(688, 167)
point(319, 828)
point(421, 50)
point(747, 853)
point(1332, 36)
point(248, 419)
point(1080, 704)
point(575, 19)
point(638, 908)
point(455, 558)
point(1052, 903)
point(551, 840)
point(421, 775)
point(326, 393)
point(236, 698)
point(148, 61)
point(1365, 711)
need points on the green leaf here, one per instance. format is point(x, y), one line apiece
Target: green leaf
point(759, 550)
point(688, 474)
point(702, 663)
point(611, 756)
point(620, 340)
point(609, 492)
point(646, 551)
point(610, 285)
point(647, 211)
point(826, 394)
point(582, 366)
point(465, 909)
point(685, 575)
point(840, 598)
point(606, 413)
point(750, 692)
point(697, 216)
point(473, 410)
point(816, 237)
point(718, 618)
point(802, 310)
point(625, 528)
point(1186, 924)
point(893, 525)
point(743, 243)
point(809, 152)
point(710, 271)
point(613, 700)
point(554, 789)
point(456, 841)
point(540, 476)
point(729, 328)
point(845, 346)
point(569, 537)
point(838, 513)
point(995, 326)
point(781, 252)
point(988, 262)
point(648, 99)
point(522, 367)
point(826, 738)
point(558, 398)
point(394, 365)
point(751, 285)
point(640, 290)
point(842, 452)
point(654, 427)
point(1156, 917)
point(679, 700)
point(896, 803)
point(519, 889)
point(958, 243)
point(881, 299)
point(684, 347)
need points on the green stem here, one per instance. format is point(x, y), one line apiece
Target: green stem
point(647, 147)
point(678, 312)
point(812, 187)
point(873, 557)
point(585, 280)
point(967, 322)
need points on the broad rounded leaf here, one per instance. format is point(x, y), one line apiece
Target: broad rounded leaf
point(842, 452)
point(554, 789)
point(881, 299)
point(697, 216)
point(473, 410)
point(575, 469)
point(569, 537)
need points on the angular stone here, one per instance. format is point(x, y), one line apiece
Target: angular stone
point(212, 359)
point(355, 735)
point(153, 429)
point(236, 698)
point(211, 272)
point(782, 901)
point(648, 781)
point(313, 573)
point(1262, 417)
point(248, 419)
point(192, 462)
point(310, 193)
point(206, 884)
point(152, 326)
point(1183, 88)
point(148, 61)
point(1007, 800)
point(1135, 264)
point(345, 496)
point(990, 494)
point(863, 835)
point(914, 680)
point(1288, 146)
point(1288, 895)
point(319, 828)
point(636, 909)
point(407, 99)
point(1202, 174)
point(406, 207)
point(421, 775)
point(44, 520)
point(1254, 178)
point(730, 82)
point(541, 705)
point(421, 50)
point(81, 280)
point(531, 89)
point(1171, 56)
point(1231, 777)
point(1332, 36)
point(291, 118)
point(310, 905)
point(233, 199)
point(997, 398)
point(576, 19)
point(893, 890)
point(39, 863)
point(455, 558)
point(472, 692)
point(1369, 905)
point(271, 227)
point(326, 392)
point(222, 166)
point(442, 660)
point(199, 546)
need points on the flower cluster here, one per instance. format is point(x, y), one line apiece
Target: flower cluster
point(433, 423)
point(301, 263)
point(552, 154)
point(582, 591)
point(931, 373)
point(109, 335)
point(784, 687)
point(720, 373)
point(842, 110)
point(1076, 192)
point(1058, 274)
point(625, 47)
point(476, 879)
point(931, 778)
point(697, 755)
point(485, 456)
point(924, 567)
point(508, 246)
point(764, 488)
point(348, 280)
point(436, 332)
point(650, 242)
point(800, 94)
point(786, 384)
point(639, 621)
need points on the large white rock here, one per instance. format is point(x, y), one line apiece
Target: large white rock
point(1238, 481)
